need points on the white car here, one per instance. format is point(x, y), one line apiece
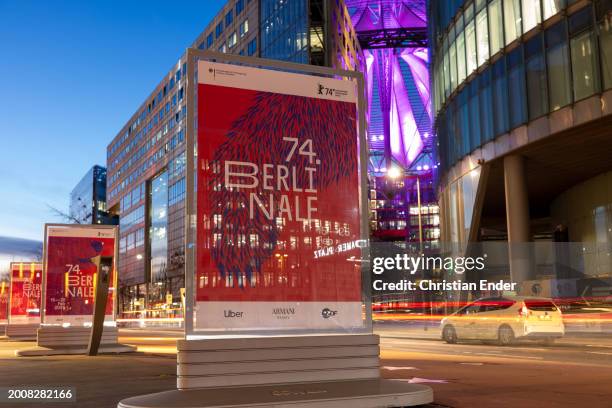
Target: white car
point(505, 320)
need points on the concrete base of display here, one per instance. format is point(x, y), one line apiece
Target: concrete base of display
point(341, 394)
point(54, 340)
point(300, 371)
point(23, 332)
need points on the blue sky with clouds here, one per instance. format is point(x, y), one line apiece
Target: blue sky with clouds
point(72, 73)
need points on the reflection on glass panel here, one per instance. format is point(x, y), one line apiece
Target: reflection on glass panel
point(454, 220)
point(516, 88)
point(446, 69)
point(536, 78)
point(531, 14)
point(496, 26)
point(558, 76)
point(158, 231)
point(486, 105)
point(605, 48)
point(476, 133)
point(453, 65)
point(470, 47)
point(500, 95)
point(536, 86)
point(482, 35)
point(469, 187)
point(436, 88)
point(552, 7)
point(557, 58)
point(583, 65)
point(461, 57)
point(512, 20)
point(464, 116)
point(440, 84)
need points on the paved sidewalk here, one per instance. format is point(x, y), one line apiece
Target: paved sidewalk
point(458, 381)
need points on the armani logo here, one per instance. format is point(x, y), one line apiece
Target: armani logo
point(283, 312)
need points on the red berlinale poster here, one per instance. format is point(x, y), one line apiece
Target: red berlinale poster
point(277, 201)
point(26, 289)
point(4, 301)
point(71, 270)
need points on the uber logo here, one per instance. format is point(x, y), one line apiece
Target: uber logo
point(231, 313)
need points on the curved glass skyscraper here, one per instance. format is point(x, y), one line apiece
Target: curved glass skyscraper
point(523, 102)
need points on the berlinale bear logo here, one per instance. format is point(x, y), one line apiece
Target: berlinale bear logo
point(323, 90)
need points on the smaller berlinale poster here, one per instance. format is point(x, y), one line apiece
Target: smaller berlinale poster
point(71, 272)
point(4, 301)
point(25, 292)
point(278, 216)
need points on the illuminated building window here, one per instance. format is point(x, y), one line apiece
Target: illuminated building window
point(482, 36)
point(244, 28)
point(512, 20)
point(232, 40)
point(531, 14)
point(496, 26)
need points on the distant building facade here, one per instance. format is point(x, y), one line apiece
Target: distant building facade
point(88, 199)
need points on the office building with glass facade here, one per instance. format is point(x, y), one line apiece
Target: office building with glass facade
point(88, 199)
point(523, 111)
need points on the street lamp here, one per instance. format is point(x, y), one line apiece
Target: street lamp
point(394, 172)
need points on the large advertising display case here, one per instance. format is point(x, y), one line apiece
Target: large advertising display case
point(25, 293)
point(71, 258)
point(278, 202)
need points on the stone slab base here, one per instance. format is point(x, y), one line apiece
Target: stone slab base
point(47, 351)
point(55, 340)
point(336, 394)
point(68, 337)
point(22, 332)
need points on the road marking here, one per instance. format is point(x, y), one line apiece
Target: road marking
point(391, 368)
point(600, 345)
point(599, 352)
point(474, 364)
point(508, 356)
point(417, 380)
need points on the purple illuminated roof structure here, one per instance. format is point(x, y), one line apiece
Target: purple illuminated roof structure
point(393, 37)
point(387, 14)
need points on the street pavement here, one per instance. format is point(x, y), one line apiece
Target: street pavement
point(576, 372)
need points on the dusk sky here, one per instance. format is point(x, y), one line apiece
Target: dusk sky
point(73, 72)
